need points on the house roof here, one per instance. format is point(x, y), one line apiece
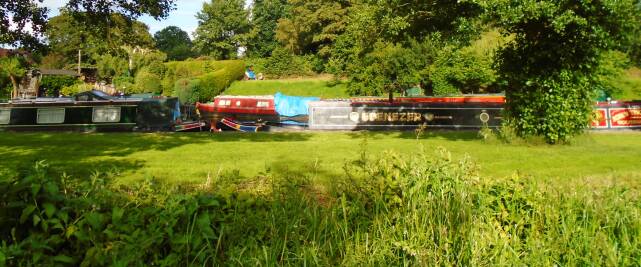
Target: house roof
point(58, 72)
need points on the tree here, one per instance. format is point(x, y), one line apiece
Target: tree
point(22, 22)
point(413, 31)
point(12, 67)
point(549, 69)
point(264, 20)
point(222, 28)
point(66, 36)
point(174, 42)
point(100, 9)
point(312, 26)
point(387, 69)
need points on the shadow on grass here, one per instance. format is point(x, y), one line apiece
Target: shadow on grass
point(80, 154)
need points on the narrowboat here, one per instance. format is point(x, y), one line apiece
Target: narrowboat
point(275, 109)
point(90, 111)
point(372, 113)
point(617, 115)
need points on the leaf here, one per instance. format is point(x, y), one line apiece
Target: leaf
point(36, 219)
point(26, 212)
point(52, 188)
point(50, 209)
point(116, 214)
point(64, 259)
point(35, 188)
point(3, 259)
point(70, 231)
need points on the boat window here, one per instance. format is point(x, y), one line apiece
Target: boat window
point(224, 102)
point(106, 114)
point(262, 104)
point(5, 115)
point(51, 115)
point(238, 103)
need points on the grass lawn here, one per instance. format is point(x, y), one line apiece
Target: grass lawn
point(191, 157)
point(321, 87)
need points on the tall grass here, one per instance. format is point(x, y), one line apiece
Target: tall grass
point(385, 210)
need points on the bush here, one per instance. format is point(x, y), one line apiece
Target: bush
point(283, 63)
point(462, 71)
point(215, 83)
point(147, 82)
point(213, 76)
point(187, 90)
point(76, 88)
point(53, 84)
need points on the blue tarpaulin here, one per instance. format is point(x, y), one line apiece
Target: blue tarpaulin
point(291, 106)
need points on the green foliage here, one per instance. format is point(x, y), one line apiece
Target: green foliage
point(457, 71)
point(417, 30)
point(112, 66)
point(222, 28)
point(383, 211)
point(610, 71)
point(147, 82)
point(53, 84)
point(67, 34)
point(76, 88)
point(187, 90)
point(174, 42)
point(14, 69)
point(19, 18)
point(548, 77)
point(212, 77)
point(261, 40)
point(387, 69)
point(283, 63)
point(311, 27)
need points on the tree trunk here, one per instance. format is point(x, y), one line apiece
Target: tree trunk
point(14, 94)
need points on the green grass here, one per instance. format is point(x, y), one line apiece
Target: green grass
point(320, 87)
point(192, 157)
point(382, 210)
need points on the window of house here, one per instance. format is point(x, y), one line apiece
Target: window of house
point(5, 115)
point(51, 115)
point(106, 114)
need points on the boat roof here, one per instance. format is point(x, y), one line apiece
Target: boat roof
point(260, 97)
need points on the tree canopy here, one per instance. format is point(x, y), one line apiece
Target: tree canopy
point(222, 28)
point(22, 22)
point(264, 18)
point(174, 42)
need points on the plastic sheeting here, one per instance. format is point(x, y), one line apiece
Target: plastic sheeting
point(291, 106)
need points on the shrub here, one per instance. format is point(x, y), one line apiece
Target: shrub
point(461, 71)
point(283, 63)
point(76, 88)
point(147, 82)
point(187, 90)
point(53, 84)
point(214, 76)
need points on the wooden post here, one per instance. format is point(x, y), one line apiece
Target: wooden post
point(79, 60)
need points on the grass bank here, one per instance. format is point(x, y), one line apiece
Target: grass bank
point(320, 87)
point(191, 158)
point(384, 210)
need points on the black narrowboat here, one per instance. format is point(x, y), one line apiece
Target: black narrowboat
point(90, 111)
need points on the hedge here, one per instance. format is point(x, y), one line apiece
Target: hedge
point(206, 78)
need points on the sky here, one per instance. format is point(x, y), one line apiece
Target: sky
point(184, 16)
